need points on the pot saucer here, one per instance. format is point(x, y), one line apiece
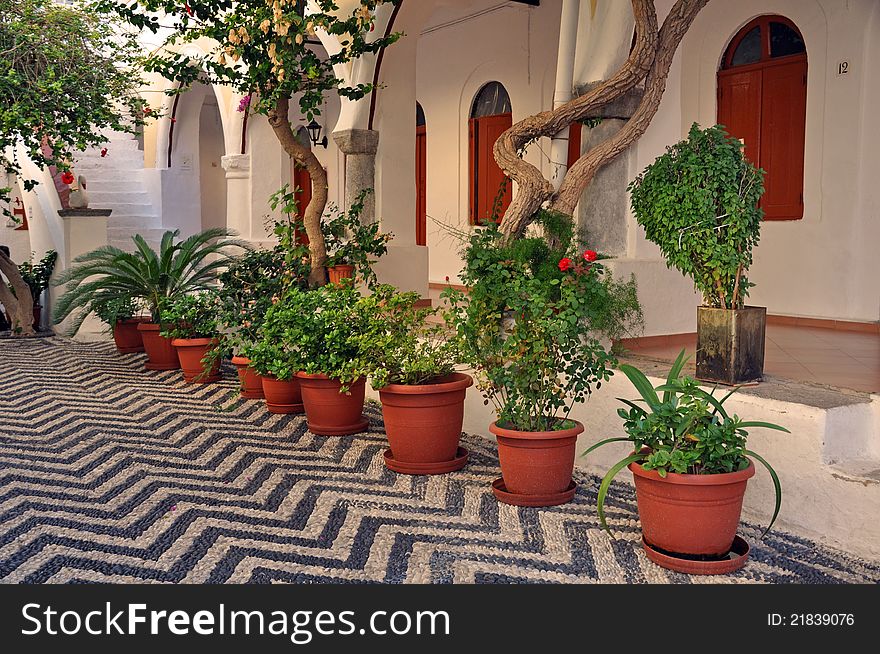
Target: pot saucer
point(356, 428)
point(735, 559)
point(254, 395)
point(518, 499)
point(432, 468)
point(285, 408)
point(162, 366)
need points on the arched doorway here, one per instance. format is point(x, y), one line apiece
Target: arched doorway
point(490, 191)
point(212, 177)
point(762, 100)
point(421, 177)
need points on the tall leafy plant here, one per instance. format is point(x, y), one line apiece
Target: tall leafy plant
point(699, 203)
point(179, 267)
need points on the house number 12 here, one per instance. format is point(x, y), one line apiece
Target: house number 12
point(843, 68)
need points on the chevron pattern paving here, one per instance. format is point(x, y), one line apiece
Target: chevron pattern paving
point(109, 473)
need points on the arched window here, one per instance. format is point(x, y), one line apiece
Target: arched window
point(490, 191)
point(762, 100)
point(301, 182)
point(421, 177)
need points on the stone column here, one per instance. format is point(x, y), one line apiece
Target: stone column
point(359, 147)
point(238, 191)
point(84, 230)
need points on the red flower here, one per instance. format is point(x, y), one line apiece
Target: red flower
point(67, 177)
point(590, 255)
point(103, 152)
point(565, 263)
point(147, 111)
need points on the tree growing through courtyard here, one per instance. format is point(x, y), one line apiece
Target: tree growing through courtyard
point(265, 50)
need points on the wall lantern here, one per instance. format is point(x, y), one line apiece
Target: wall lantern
point(315, 134)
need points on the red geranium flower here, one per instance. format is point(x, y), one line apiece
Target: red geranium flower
point(67, 177)
point(590, 255)
point(103, 152)
point(565, 263)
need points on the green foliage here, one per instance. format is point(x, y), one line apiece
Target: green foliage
point(180, 267)
point(289, 232)
point(113, 309)
point(530, 324)
point(326, 330)
point(191, 315)
point(261, 48)
point(686, 430)
point(407, 348)
point(66, 76)
point(351, 242)
point(37, 275)
point(699, 203)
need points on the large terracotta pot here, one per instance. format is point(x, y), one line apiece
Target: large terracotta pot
point(251, 383)
point(423, 424)
point(340, 272)
point(537, 463)
point(161, 354)
point(282, 396)
point(690, 514)
point(191, 351)
point(329, 412)
point(127, 337)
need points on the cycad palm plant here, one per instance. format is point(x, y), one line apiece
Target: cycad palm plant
point(109, 273)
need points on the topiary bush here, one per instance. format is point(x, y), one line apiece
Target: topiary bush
point(699, 203)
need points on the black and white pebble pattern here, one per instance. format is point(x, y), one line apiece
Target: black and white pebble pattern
point(109, 473)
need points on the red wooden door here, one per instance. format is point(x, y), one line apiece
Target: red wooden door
point(574, 142)
point(486, 178)
point(302, 184)
point(783, 123)
point(421, 186)
point(739, 108)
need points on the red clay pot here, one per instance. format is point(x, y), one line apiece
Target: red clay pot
point(161, 354)
point(329, 412)
point(423, 422)
point(340, 272)
point(282, 396)
point(251, 383)
point(536, 462)
point(127, 337)
point(191, 351)
point(690, 514)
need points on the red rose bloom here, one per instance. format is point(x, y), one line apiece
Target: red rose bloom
point(590, 255)
point(565, 263)
point(67, 177)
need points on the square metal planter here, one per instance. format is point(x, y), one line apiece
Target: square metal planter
point(730, 344)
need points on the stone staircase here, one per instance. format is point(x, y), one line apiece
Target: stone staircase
point(116, 182)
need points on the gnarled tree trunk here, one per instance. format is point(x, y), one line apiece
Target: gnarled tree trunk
point(650, 60)
point(20, 306)
point(311, 214)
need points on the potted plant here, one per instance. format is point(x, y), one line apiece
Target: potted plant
point(120, 316)
point(180, 266)
point(352, 245)
point(36, 276)
point(691, 466)
point(249, 286)
point(422, 396)
point(699, 203)
point(325, 336)
point(529, 327)
point(190, 321)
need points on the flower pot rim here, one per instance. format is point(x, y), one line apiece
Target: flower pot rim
point(239, 360)
point(746, 307)
point(193, 342)
point(322, 376)
point(537, 435)
point(452, 382)
point(716, 479)
point(149, 326)
point(341, 266)
point(272, 377)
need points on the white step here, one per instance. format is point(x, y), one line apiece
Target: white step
point(97, 197)
point(122, 238)
point(103, 185)
point(133, 177)
point(133, 223)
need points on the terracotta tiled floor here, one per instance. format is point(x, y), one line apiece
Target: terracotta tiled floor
point(825, 356)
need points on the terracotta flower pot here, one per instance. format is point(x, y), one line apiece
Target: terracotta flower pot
point(423, 424)
point(191, 351)
point(329, 412)
point(690, 514)
point(161, 354)
point(251, 383)
point(537, 464)
point(282, 396)
point(340, 272)
point(127, 337)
